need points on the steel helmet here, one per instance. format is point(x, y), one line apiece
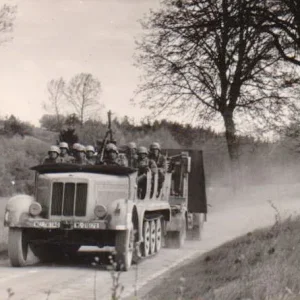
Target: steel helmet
point(111, 148)
point(75, 146)
point(64, 145)
point(155, 146)
point(132, 145)
point(80, 148)
point(54, 149)
point(90, 148)
point(142, 150)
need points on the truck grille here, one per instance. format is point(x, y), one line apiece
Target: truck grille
point(69, 199)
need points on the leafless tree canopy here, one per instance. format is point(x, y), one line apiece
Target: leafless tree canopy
point(83, 94)
point(56, 98)
point(214, 58)
point(283, 23)
point(7, 17)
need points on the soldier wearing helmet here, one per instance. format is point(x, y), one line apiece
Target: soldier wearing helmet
point(64, 153)
point(144, 165)
point(79, 155)
point(161, 162)
point(132, 155)
point(90, 154)
point(112, 155)
point(53, 156)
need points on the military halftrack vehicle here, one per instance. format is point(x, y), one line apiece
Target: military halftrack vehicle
point(106, 205)
point(102, 205)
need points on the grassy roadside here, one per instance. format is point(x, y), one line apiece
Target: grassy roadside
point(263, 264)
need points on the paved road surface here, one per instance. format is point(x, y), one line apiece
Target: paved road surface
point(84, 281)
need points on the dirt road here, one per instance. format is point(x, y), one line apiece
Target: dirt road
point(84, 281)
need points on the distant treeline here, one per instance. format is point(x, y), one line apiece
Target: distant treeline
point(23, 145)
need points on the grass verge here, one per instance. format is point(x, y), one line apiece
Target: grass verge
point(263, 264)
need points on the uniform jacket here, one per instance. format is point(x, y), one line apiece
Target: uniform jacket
point(161, 162)
point(145, 164)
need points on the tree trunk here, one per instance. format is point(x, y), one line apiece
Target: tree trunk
point(230, 134)
point(233, 149)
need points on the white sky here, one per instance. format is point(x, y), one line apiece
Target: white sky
point(54, 38)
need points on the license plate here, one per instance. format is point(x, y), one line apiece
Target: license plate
point(84, 225)
point(43, 224)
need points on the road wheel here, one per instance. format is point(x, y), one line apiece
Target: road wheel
point(19, 249)
point(152, 236)
point(124, 248)
point(147, 239)
point(158, 235)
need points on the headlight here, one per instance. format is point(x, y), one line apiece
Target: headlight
point(35, 209)
point(100, 211)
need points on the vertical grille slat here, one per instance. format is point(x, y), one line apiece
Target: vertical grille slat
point(81, 197)
point(69, 199)
point(57, 198)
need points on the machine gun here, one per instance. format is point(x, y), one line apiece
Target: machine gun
point(108, 138)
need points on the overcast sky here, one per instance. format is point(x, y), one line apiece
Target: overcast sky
point(54, 38)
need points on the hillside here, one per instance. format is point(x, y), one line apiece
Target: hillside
point(262, 265)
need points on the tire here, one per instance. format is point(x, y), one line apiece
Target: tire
point(19, 249)
point(124, 248)
point(147, 239)
point(158, 234)
point(152, 236)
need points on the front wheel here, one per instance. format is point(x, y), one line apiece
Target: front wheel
point(124, 248)
point(19, 249)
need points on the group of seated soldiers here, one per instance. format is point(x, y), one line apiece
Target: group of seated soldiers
point(136, 157)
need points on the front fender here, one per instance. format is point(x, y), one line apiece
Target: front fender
point(120, 214)
point(17, 209)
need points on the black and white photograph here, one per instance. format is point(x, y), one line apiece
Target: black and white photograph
point(150, 149)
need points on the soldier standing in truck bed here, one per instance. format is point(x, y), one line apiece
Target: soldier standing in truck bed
point(161, 162)
point(144, 164)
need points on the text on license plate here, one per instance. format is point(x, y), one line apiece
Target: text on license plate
point(83, 225)
point(44, 224)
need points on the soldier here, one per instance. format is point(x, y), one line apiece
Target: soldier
point(132, 155)
point(74, 147)
point(161, 162)
point(80, 157)
point(112, 156)
point(90, 154)
point(144, 165)
point(64, 153)
point(53, 156)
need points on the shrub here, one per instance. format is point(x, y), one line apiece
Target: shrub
point(18, 155)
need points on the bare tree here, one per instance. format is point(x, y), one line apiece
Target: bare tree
point(7, 17)
point(282, 21)
point(212, 58)
point(56, 97)
point(83, 94)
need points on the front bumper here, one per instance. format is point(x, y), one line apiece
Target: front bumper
point(62, 224)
